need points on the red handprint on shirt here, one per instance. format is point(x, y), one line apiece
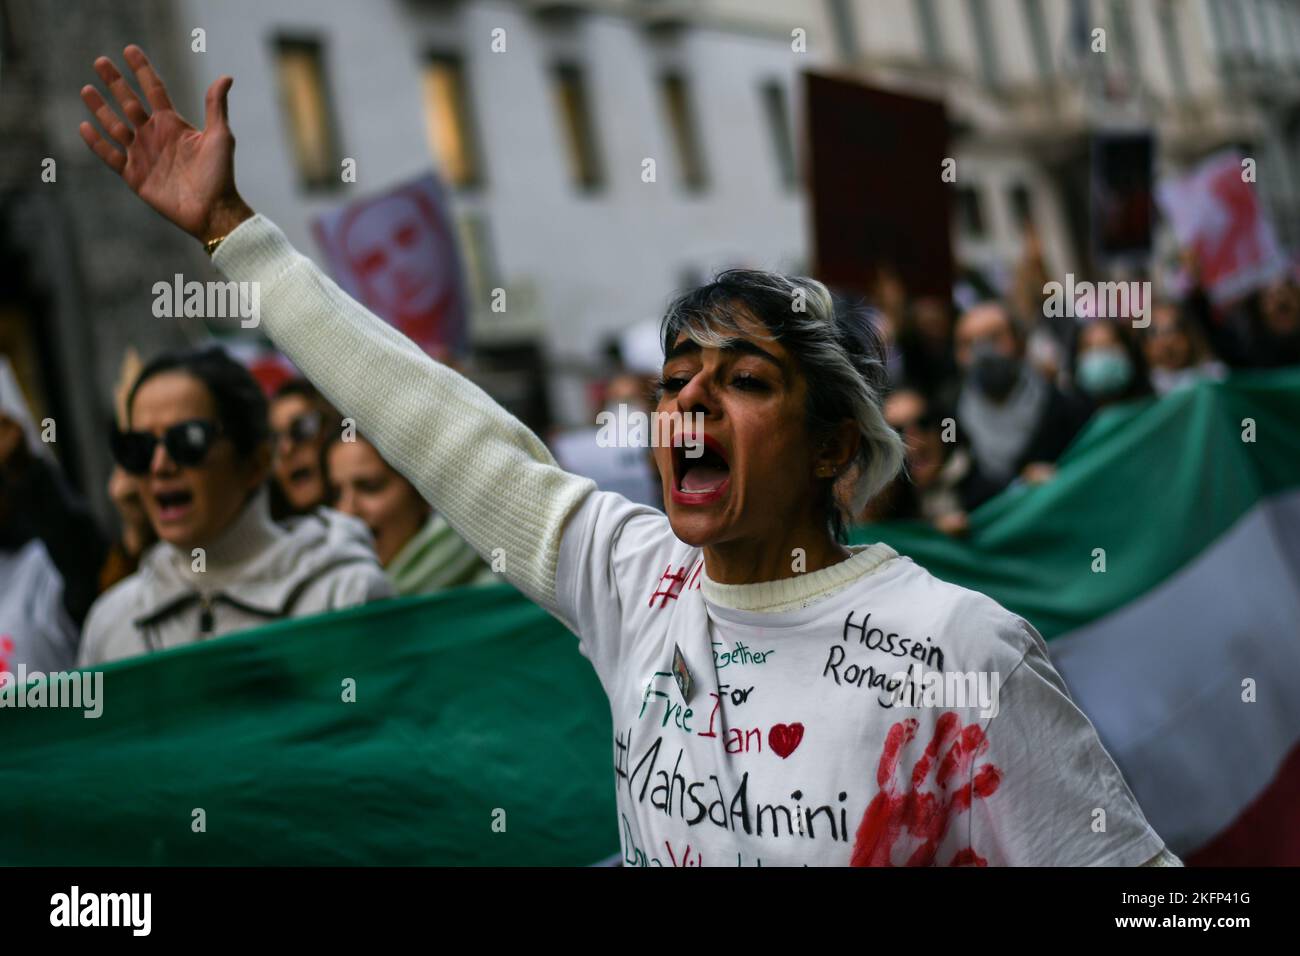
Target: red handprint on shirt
point(921, 817)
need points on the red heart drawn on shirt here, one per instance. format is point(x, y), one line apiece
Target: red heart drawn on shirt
point(784, 738)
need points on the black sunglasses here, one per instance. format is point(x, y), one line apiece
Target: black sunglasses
point(302, 429)
point(187, 444)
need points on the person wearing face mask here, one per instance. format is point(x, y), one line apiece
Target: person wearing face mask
point(1108, 365)
point(196, 440)
point(1015, 422)
point(420, 552)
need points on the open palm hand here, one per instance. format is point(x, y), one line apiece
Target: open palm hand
point(185, 174)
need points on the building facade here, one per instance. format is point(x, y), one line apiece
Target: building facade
point(602, 153)
point(1025, 87)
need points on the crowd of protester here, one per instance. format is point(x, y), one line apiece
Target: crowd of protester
point(236, 508)
point(993, 394)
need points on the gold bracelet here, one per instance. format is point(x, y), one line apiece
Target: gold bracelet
point(211, 245)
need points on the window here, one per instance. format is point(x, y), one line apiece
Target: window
point(1291, 16)
point(480, 263)
point(778, 121)
point(1279, 31)
point(970, 214)
point(1232, 29)
point(986, 42)
point(447, 118)
point(1022, 205)
point(928, 23)
point(1223, 41)
point(299, 64)
point(845, 31)
point(681, 122)
point(1126, 41)
point(570, 90)
point(1039, 38)
point(1264, 36)
point(1173, 45)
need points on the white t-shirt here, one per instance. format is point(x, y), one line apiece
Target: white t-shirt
point(813, 735)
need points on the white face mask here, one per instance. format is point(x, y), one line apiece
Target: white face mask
point(1105, 371)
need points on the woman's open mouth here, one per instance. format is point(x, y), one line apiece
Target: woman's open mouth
point(173, 505)
point(702, 479)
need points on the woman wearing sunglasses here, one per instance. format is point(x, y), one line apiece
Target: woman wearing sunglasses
point(301, 423)
point(762, 676)
point(197, 443)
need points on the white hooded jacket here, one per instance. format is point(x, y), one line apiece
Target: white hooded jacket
point(255, 572)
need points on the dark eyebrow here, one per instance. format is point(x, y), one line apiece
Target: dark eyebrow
point(689, 346)
point(686, 346)
point(746, 347)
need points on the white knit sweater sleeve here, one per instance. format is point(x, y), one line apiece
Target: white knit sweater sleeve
point(484, 470)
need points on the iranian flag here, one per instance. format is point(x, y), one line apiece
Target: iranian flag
point(1162, 565)
point(465, 728)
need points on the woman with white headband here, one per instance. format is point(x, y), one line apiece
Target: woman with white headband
point(773, 692)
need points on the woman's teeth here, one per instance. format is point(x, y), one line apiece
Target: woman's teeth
point(703, 478)
point(703, 474)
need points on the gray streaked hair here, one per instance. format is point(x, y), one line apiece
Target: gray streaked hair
point(839, 351)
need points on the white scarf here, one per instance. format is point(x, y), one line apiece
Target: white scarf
point(999, 432)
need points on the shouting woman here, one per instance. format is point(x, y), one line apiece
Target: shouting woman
point(777, 697)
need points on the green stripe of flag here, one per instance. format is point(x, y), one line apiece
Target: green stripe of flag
point(1153, 483)
point(466, 704)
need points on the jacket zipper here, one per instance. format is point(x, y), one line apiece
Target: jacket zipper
point(206, 621)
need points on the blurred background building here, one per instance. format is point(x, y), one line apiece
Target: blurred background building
point(540, 115)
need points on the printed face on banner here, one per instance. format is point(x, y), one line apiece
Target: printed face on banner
point(397, 255)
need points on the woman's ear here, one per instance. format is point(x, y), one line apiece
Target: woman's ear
point(838, 450)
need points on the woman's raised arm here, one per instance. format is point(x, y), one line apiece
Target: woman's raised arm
point(186, 175)
point(492, 478)
point(483, 469)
